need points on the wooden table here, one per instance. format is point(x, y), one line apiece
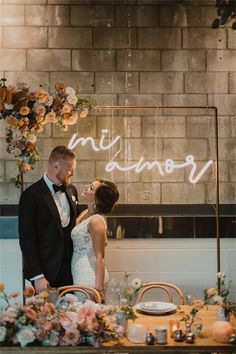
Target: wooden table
point(204, 343)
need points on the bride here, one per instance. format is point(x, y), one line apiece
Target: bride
point(89, 235)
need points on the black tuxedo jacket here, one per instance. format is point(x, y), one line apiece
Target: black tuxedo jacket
point(40, 230)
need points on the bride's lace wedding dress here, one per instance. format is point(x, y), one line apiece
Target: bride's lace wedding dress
point(83, 265)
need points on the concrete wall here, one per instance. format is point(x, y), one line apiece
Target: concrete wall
point(133, 53)
point(190, 264)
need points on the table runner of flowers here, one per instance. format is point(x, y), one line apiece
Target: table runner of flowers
point(66, 323)
point(26, 113)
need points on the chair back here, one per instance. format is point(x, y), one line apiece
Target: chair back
point(170, 290)
point(89, 292)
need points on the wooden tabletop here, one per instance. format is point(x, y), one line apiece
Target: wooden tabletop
point(204, 342)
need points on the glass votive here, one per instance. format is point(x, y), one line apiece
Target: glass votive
point(161, 334)
point(173, 326)
point(137, 333)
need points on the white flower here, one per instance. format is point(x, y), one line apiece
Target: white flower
point(49, 101)
point(70, 91)
point(54, 338)
point(8, 106)
point(25, 336)
point(220, 275)
point(3, 332)
point(71, 298)
point(136, 283)
point(72, 99)
point(31, 138)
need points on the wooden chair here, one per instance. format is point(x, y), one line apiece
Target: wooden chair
point(169, 289)
point(89, 292)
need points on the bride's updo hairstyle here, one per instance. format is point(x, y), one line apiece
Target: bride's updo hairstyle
point(106, 195)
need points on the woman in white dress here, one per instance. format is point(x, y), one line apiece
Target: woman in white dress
point(89, 235)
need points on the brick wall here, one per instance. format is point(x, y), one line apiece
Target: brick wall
point(132, 53)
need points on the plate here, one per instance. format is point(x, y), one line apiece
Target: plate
point(156, 307)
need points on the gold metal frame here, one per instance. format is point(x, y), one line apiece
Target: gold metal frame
point(217, 194)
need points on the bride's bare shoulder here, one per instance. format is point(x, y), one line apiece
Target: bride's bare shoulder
point(81, 216)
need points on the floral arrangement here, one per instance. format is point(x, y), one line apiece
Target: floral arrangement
point(128, 312)
point(220, 297)
point(125, 293)
point(195, 306)
point(212, 296)
point(25, 114)
point(67, 323)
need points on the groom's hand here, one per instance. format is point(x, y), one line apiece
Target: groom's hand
point(41, 284)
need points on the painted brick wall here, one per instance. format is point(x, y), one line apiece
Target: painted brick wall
point(132, 53)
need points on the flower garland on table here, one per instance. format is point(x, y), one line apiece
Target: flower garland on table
point(67, 323)
point(25, 114)
point(220, 297)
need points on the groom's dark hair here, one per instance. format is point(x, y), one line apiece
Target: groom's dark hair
point(61, 153)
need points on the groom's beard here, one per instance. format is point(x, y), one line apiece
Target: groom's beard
point(64, 180)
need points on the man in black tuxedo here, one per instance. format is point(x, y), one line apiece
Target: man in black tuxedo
point(47, 213)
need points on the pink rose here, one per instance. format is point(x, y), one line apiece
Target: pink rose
point(71, 337)
point(68, 320)
point(86, 314)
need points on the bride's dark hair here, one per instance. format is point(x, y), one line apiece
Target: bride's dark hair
point(106, 195)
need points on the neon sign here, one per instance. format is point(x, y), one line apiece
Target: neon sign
point(167, 167)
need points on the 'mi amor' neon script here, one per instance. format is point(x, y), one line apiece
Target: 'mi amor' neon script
point(167, 167)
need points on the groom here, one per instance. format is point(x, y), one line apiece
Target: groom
point(47, 213)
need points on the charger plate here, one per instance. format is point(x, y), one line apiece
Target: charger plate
point(155, 307)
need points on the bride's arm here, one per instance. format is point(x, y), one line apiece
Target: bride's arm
point(97, 230)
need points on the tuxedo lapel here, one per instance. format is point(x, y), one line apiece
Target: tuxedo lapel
point(51, 204)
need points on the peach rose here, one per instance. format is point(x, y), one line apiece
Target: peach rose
point(25, 167)
point(52, 307)
point(40, 110)
point(51, 117)
point(72, 119)
point(30, 314)
point(42, 96)
point(29, 291)
point(84, 113)
point(66, 109)
point(24, 110)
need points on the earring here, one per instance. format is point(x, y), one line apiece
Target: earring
point(94, 207)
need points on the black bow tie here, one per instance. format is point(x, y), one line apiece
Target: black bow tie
point(60, 188)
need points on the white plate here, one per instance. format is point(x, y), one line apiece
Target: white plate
point(156, 307)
